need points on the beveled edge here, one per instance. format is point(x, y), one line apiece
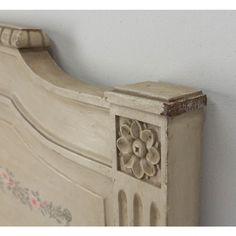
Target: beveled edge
point(156, 105)
point(159, 90)
point(178, 107)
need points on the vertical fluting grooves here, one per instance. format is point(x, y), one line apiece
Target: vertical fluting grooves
point(137, 211)
point(154, 215)
point(123, 214)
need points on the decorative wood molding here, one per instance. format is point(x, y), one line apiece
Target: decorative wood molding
point(115, 156)
point(170, 100)
point(18, 37)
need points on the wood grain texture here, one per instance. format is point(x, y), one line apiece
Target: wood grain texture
point(97, 156)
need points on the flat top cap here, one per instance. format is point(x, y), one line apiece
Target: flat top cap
point(159, 91)
point(22, 37)
point(161, 98)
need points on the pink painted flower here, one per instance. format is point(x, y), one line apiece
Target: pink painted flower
point(44, 203)
point(5, 176)
point(11, 183)
point(35, 202)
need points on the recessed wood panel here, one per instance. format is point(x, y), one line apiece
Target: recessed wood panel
point(28, 171)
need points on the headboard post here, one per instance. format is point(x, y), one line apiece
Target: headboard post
point(157, 148)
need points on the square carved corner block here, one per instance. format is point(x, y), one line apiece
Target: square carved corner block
point(156, 170)
point(139, 150)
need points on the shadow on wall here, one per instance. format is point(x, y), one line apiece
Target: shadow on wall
point(77, 57)
point(218, 206)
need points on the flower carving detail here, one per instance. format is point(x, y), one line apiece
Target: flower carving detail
point(138, 147)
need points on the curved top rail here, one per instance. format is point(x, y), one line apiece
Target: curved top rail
point(30, 45)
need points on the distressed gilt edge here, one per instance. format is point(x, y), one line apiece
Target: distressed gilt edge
point(186, 105)
point(157, 106)
point(15, 37)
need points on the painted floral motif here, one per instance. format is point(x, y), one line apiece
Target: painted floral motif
point(32, 199)
point(138, 147)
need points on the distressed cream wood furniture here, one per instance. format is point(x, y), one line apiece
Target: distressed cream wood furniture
point(75, 154)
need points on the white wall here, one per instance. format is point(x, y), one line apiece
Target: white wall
point(195, 48)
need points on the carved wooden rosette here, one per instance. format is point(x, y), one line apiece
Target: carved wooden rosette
point(139, 150)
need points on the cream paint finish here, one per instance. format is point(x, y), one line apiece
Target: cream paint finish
point(76, 154)
point(49, 182)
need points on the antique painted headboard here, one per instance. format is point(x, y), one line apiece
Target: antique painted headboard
point(76, 154)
